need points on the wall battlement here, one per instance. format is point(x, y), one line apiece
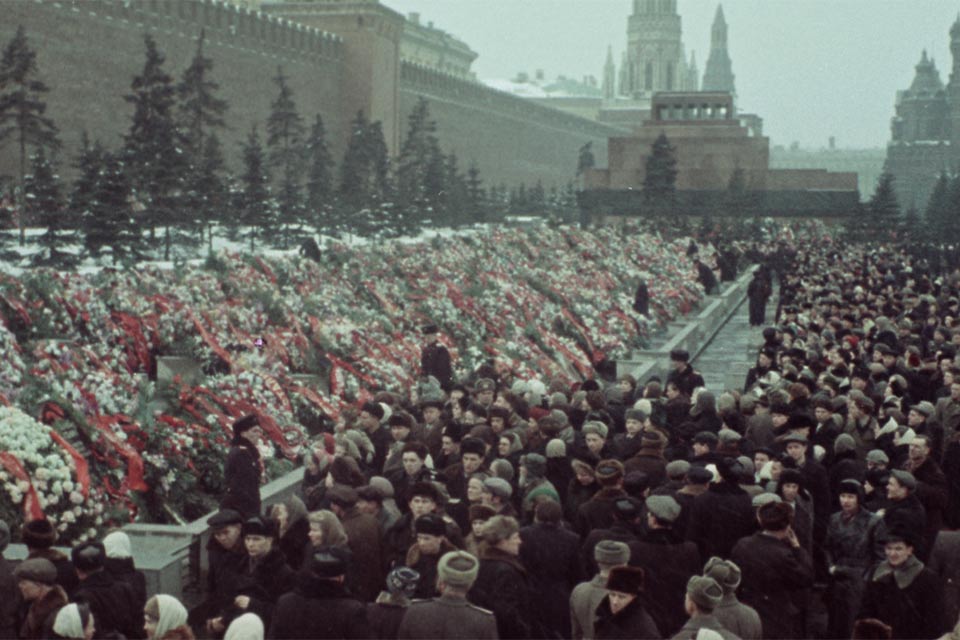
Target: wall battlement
point(232, 25)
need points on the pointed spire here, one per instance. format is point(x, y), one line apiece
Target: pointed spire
point(955, 29)
point(718, 16)
point(609, 56)
point(923, 58)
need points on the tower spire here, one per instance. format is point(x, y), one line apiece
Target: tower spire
point(718, 75)
point(609, 76)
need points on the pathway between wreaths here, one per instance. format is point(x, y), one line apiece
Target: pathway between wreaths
point(727, 359)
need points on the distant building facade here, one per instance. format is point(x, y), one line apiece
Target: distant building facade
point(425, 45)
point(867, 163)
point(925, 130)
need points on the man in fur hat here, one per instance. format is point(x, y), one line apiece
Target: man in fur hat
point(622, 614)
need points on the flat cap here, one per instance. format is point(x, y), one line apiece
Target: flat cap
point(877, 456)
point(905, 478)
point(663, 508)
point(498, 487)
point(36, 570)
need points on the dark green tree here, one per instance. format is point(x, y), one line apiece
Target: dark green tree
point(660, 182)
point(419, 149)
point(45, 205)
point(205, 187)
point(355, 171)
point(153, 152)
point(456, 200)
point(320, 195)
point(883, 211)
point(537, 199)
point(285, 140)
point(737, 198)
point(200, 111)
point(476, 198)
point(911, 227)
point(88, 164)
point(938, 213)
point(256, 207)
point(109, 220)
point(22, 107)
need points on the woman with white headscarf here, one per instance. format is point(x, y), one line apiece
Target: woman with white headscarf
point(249, 626)
point(74, 621)
point(166, 619)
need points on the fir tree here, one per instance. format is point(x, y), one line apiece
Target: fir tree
point(911, 225)
point(659, 184)
point(153, 151)
point(320, 203)
point(285, 139)
point(44, 204)
point(537, 199)
point(200, 110)
point(355, 168)
point(418, 151)
point(938, 214)
point(737, 198)
point(22, 107)
point(379, 162)
point(456, 202)
point(883, 210)
point(205, 189)
point(89, 163)
point(476, 198)
point(256, 212)
point(109, 221)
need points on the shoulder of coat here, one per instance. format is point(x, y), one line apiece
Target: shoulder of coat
point(479, 609)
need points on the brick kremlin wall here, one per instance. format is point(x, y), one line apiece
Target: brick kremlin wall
point(88, 52)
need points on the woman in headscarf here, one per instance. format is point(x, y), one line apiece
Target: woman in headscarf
point(294, 528)
point(166, 619)
point(74, 621)
point(249, 626)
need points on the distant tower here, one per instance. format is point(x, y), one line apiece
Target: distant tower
point(609, 77)
point(921, 109)
point(953, 88)
point(693, 73)
point(718, 75)
point(655, 60)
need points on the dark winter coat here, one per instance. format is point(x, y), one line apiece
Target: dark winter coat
point(503, 586)
point(66, 574)
point(318, 608)
point(719, 517)
point(41, 614)
point(915, 611)
point(775, 579)
point(294, 542)
point(597, 513)
point(932, 493)
point(263, 582)
point(577, 495)
point(9, 599)
point(848, 543)
point(844, 466)
point(668, 563)
point(384, 618)
point(426, 566)
point(907, 514)
point(686, 380)
point(241, 475)
point(740, 619)
point(446, 618)
point(113, 605)
point(123, 569)
point(435, 361)
point(945, 564)
point(365, 579)
point(550, 554)
point(631, 622)
point(651, 462)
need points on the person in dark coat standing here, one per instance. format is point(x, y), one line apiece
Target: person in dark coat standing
point(435, 359)
point(112, 602)
point(597, 512)
point(903, 593)
point(945, 563)
point(758, 291)
point(669, 563)
point(225, 557)
point(903, 508)
point(320, 606)
point(549, 553)
point(931, 489)
point(39, 536)
point(641, 299)
point(36, 581)
point(9, 594)
point(586, 596)
point(627, 513)
point(683, 375)
point(503, 584)
point(243, 469)
point(722, 515)
point(621, 613)
point(363, 536)
point(264, 576)
point(849, 555)
point(119, 564)
point(703, 597)
point(451, 616)
point(385, 615)
point(776, 572)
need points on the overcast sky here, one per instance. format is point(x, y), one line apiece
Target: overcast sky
point(810, 68)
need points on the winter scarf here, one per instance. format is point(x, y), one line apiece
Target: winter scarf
point(68, 623)
point(171, 614)
point(246, 627)
point(905, 574)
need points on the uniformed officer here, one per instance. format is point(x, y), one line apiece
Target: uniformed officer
point(450, 615)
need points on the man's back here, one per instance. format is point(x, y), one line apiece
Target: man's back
point(447, 617)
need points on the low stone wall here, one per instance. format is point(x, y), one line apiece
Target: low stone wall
point(692, 334)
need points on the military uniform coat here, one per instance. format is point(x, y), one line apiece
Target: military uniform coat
point(318, 608)
point(710, 622)
point(738, 618)
point(584, 601)
point(445, 618)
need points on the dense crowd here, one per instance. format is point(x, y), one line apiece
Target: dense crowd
point(491, 507)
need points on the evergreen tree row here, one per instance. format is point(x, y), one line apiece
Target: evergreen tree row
point(168, 184)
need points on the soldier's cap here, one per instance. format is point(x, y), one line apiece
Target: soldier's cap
point(485, 384)
point(612, 552)
point(705, 592)
point(725, 572)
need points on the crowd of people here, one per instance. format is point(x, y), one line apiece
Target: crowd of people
point(491, 507)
